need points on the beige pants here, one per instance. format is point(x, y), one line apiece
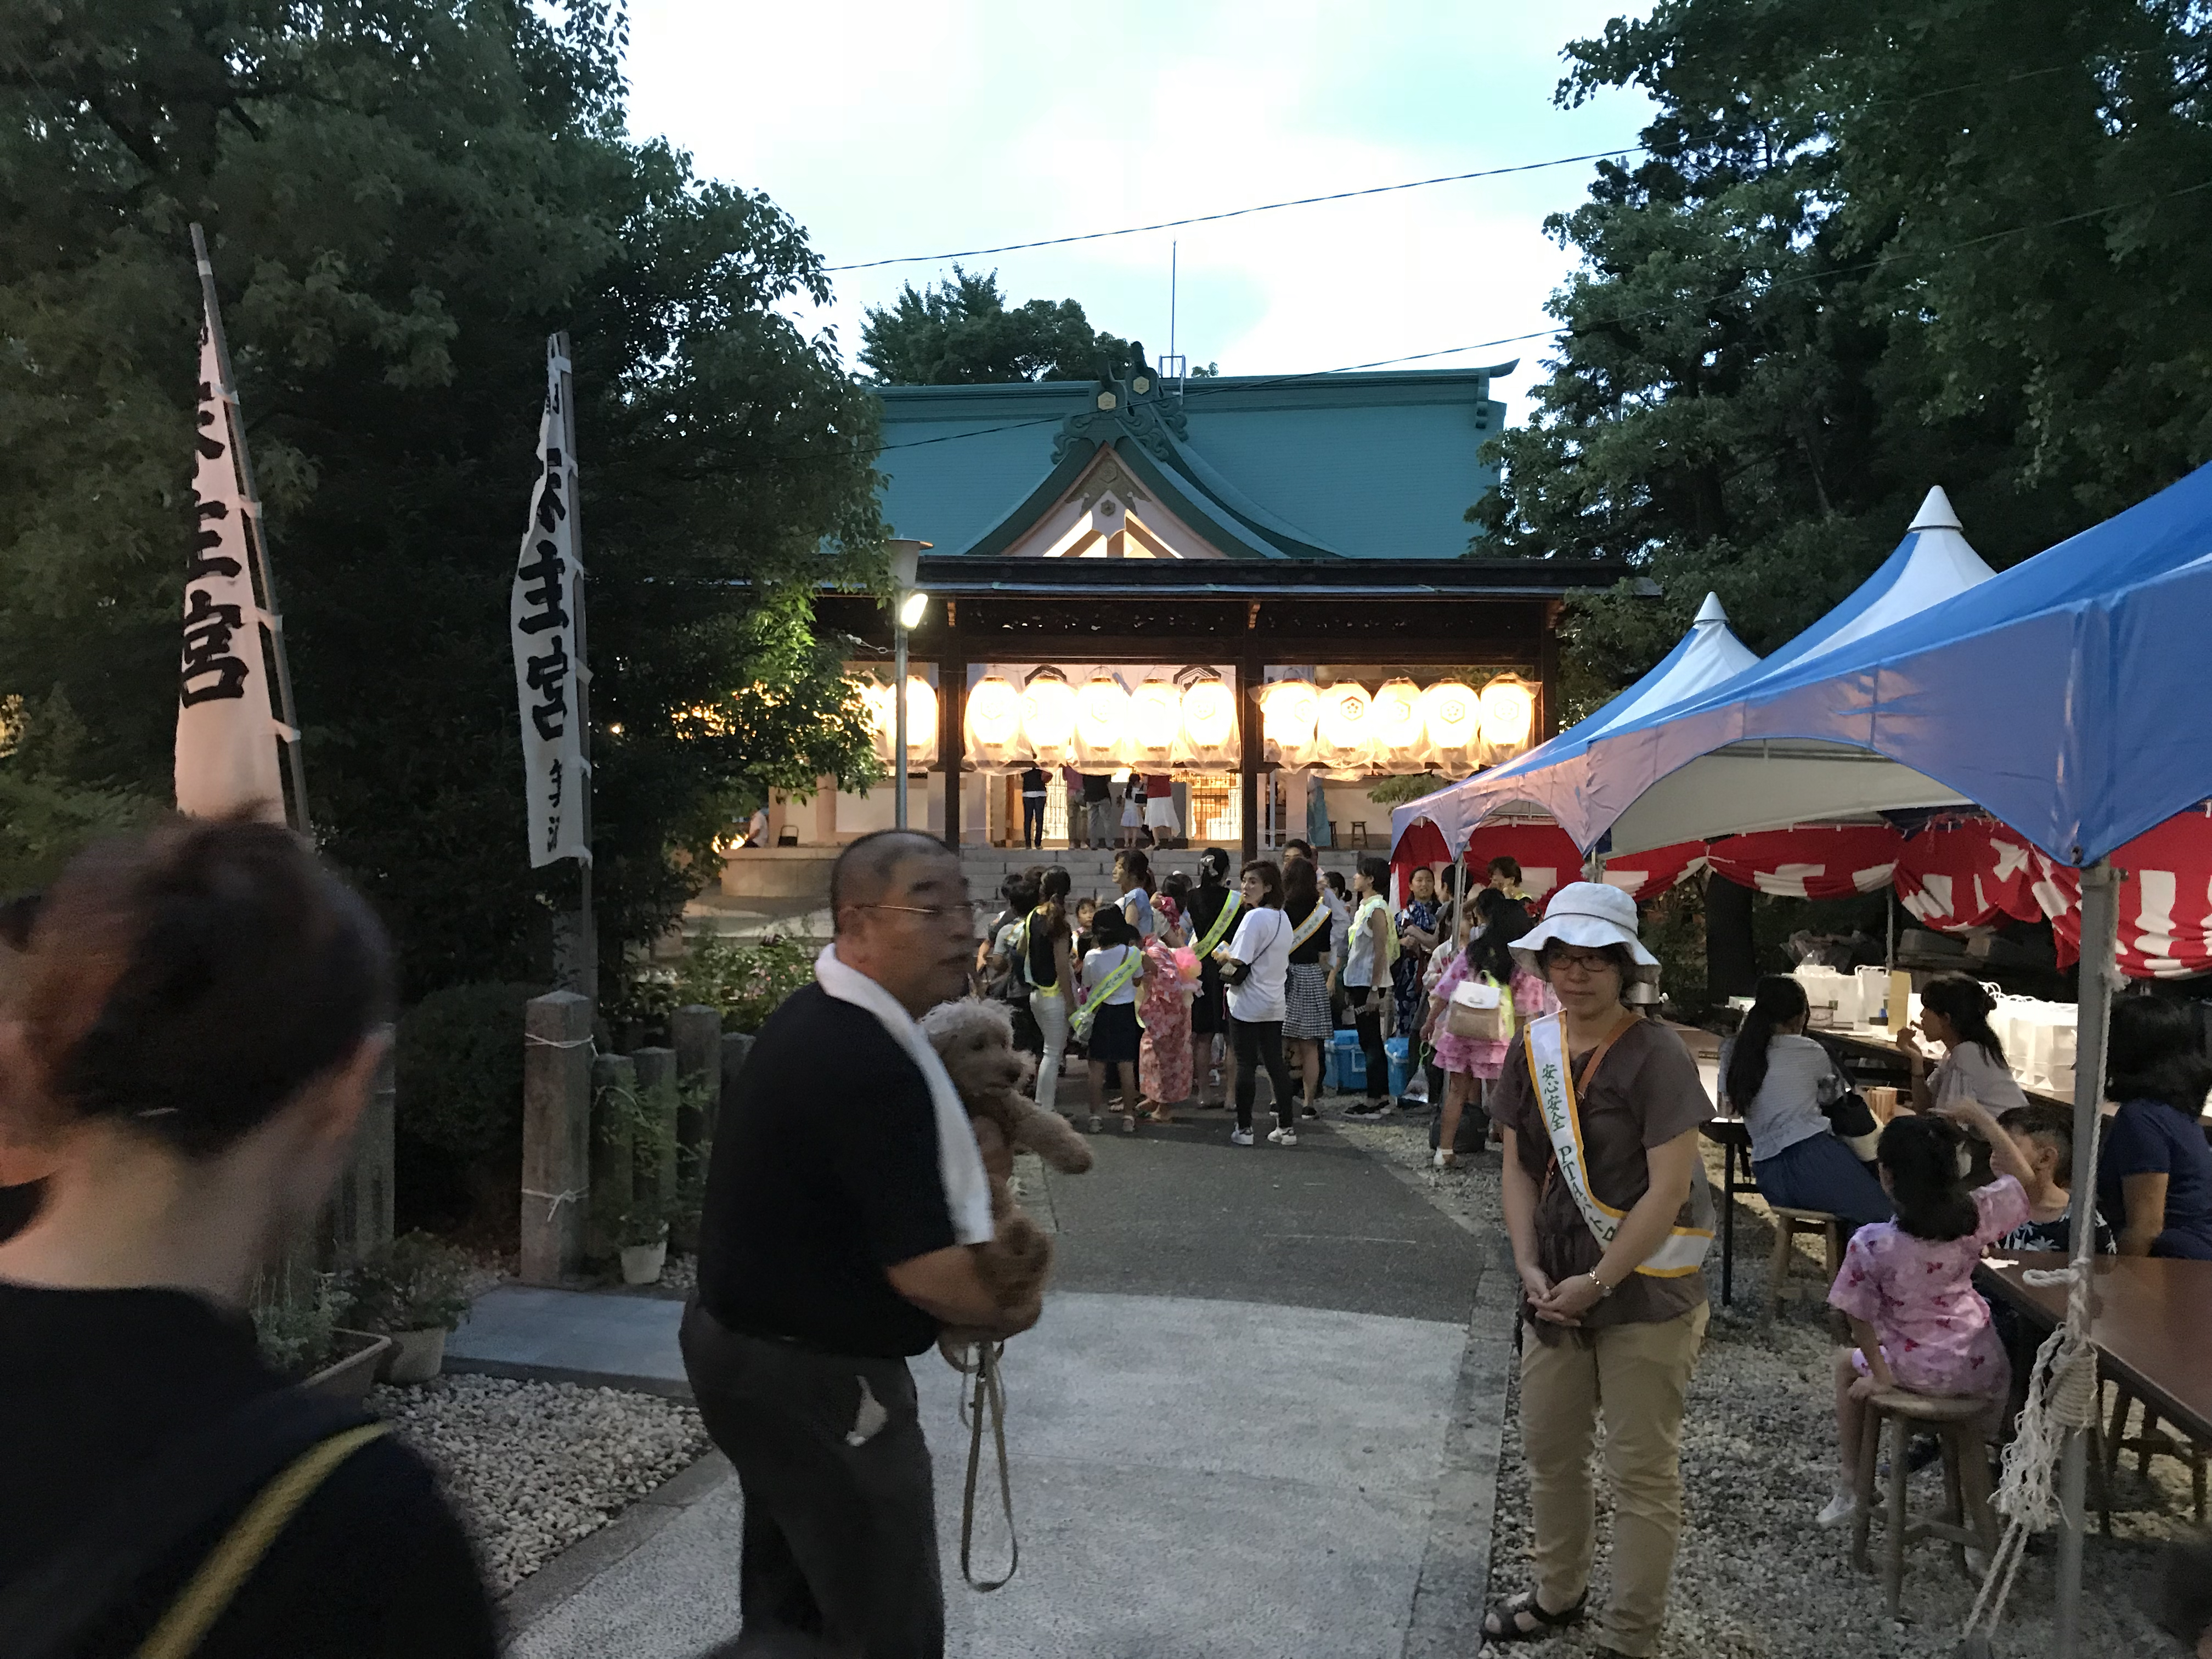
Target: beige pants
point(1635, 1375)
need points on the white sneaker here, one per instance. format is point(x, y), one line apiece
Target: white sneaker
point(1240, 1137)
point(1842, 1506)
point(1441, 1159)
point(1283, 1137)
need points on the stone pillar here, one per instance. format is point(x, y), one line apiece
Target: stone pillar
point(614, 1175)
point(952, 741)
point(361, 1220)
point(656, 1088)
point(556, 1124)
point(697, 1030)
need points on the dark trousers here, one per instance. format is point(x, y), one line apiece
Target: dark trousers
point(1260, 1042)
point(839, 1559)
point(1370, 1026)
point(1033, 820)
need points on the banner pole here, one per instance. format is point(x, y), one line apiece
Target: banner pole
point(226, 389)
point(587, 930)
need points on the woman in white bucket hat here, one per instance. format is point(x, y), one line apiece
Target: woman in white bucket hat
point(1607, 1206)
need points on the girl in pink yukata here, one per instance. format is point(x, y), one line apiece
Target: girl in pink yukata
point(1907, 1285)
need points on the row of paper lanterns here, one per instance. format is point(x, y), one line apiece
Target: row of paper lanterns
point(1100, 725)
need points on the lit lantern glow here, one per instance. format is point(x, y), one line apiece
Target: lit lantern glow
point(921, 723)
point(994, 725)
point(876, 699)
point(1288, 709)
point(1452, 715)
point(1209, 724)
point(1155, 721)
point(1508, 715)
point(1048, 719)
point(1401, 740)
point(1345, 726)
point(1102, 719)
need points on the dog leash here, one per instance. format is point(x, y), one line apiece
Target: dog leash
point(989, 1399)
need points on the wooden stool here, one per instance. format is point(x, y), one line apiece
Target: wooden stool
point(2152, 1441)
point(1788, 1223)
point(1967, 1520)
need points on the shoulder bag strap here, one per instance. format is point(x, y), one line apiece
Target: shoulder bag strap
point(54, 1610)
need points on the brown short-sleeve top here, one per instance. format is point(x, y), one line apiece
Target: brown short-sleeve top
point(1645, 1094)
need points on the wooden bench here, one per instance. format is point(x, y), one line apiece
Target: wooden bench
point(1788, 1224)
point(1967, 1521)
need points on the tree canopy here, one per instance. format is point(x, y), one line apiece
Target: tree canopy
point(404, 198)
point(961, 332)
point(1870, 248)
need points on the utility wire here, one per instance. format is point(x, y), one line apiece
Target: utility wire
point(1239, 213)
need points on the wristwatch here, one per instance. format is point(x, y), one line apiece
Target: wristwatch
point(1604, 1290)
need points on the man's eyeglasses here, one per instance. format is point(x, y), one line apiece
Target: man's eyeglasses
point(964, 912)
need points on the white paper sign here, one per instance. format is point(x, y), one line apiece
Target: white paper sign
point(542, 613)
point(226, 737)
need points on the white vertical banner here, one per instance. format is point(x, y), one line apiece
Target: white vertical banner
point(544, 614)
point(226, 736)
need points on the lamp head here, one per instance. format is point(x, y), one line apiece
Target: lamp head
point(906, 560)
point(913, 604)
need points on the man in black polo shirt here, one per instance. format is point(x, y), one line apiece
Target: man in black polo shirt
point(844, 1196)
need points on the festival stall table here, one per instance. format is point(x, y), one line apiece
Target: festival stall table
point(2150, 1319)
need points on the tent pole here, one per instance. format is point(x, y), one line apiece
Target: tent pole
point(2101, 915)
point(1889, 930)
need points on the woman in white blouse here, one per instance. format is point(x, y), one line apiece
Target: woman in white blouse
point(1954, 1012)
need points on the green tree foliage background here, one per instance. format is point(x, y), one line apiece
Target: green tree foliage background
point(961, 332)
point(1872, 246)
point(404, 198)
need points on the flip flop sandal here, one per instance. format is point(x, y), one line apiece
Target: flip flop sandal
point(1504, 1622)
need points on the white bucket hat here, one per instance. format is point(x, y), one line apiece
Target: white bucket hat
point(1588, 913)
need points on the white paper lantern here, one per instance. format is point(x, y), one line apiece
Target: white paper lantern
point(1155, 721)
point(921, 724)
point(994, 726)
point(1451, 714)
point(1209, 725)
point(1508, 715)
point(1102, 722)
point(1345, 730)
point(876, 699)
point(1401, 738)
point(1288, 709)
point(1048, 719)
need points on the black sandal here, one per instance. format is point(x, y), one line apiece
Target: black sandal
point(1502, 1623)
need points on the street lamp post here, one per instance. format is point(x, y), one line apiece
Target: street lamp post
point(907, 604)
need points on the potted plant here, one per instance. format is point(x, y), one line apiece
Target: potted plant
point(641, 1234)
point(414, 1289)
point(301, 1339)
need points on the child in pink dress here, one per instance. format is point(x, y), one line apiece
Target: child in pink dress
point(1907, 1285)
point(1466, 1061)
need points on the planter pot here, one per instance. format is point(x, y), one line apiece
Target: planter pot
point(360, 1356)
point(641, 1263)
point(415, 1356)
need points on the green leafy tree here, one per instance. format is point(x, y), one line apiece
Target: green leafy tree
point(961, 332)
point(404, 198)
point(1870, 247)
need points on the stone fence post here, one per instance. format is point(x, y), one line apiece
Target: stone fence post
point(614, 1170)
point(556, 1131)
point(696, 1031)
point(358, 1221)
point(737, 1050)
point(656, 1079)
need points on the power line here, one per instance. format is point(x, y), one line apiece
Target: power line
point(1239, 213)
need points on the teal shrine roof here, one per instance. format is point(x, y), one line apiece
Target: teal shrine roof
point(1318, 466)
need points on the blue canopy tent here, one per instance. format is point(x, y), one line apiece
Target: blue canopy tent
point(2055, 697)
point(1708, 656)
point(1761, 785)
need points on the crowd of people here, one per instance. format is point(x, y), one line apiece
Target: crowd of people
point(1142, 815)
point(1177, 993)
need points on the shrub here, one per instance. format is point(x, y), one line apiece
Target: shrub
point(414, 1283)
point(297, 1336)
point(458, 1065)
point(745, 982)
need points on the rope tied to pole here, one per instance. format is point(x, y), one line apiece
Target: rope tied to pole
point(555, 1200)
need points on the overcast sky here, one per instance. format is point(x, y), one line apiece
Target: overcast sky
point(891, 129)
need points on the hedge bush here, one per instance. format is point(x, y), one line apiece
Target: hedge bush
point(458, 1065)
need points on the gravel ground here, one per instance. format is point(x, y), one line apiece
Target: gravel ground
point(533, 1466)
point(1755, 1578)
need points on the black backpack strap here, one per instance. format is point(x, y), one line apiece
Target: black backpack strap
point(187, 1489)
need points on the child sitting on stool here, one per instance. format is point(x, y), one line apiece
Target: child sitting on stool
point(1907, 1285)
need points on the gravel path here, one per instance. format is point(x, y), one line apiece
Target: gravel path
point(533, 1466)
point(1755, 1579)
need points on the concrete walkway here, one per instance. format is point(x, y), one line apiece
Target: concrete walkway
point(1229, 1436)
